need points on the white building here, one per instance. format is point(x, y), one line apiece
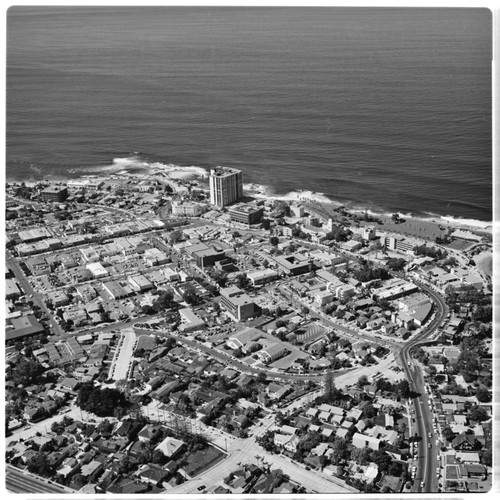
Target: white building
point(226, 186)
point(188, 208)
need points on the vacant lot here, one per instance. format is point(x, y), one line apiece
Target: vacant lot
point(201, 460)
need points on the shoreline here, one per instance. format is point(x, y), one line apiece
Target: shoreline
point(178, 173)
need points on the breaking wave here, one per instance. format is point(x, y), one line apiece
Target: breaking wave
point(135, 164)
point(267, 193)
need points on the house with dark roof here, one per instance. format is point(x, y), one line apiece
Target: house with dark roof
point(465, 441)
point(152, 473)
point(149, 432)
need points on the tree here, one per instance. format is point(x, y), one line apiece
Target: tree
point(478, 414)
point(361, 455)
point(340, 450)
point(26, 372)
point(404, 389)
point(102, 402)
point(159, 457)
point(483, 395)
point(218, 275)
point(487, 456)
point(40, 465)
point(164, 301)
point(267, 442)
point(362, 381)
point(382, 459)
point(395, 264)
point(447, 433)
point(79, 481)
point(266, 224)
point(242, 280)
point(369, 411)
point(191, 297)
point(274, 240)
point(175, 236)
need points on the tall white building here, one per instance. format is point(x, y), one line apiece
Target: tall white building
point(226, 186)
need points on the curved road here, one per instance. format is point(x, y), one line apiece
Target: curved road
point(428, 449)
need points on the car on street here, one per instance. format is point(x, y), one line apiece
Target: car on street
point(422, 484)
point(430, 445)
point(202, 487)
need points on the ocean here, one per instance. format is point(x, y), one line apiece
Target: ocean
point(387, 109)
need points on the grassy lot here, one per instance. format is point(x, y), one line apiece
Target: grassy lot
point(201, 460)
point(414, 227)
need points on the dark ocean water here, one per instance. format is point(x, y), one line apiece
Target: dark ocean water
point(384, 108)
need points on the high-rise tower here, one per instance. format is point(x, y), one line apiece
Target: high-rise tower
point(226, 186)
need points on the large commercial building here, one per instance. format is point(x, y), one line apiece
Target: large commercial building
point(205, 255)
point(189, 209)
point(54, 193)
point(246, 214)
point(226, 186)
point(237, 303)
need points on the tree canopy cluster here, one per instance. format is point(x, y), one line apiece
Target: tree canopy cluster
point(103, 402)
point(430, 251)
point(338, 233)
point(366, 272)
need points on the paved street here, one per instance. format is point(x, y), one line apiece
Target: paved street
point(17, 481)
point(122, 359)
point(245, 451)
point(428, 456)
point(31, 294)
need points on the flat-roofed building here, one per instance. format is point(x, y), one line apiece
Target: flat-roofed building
point(351, 245)
point(394, 289)
point(140, 283)
point(344, 291)
point(322, 297)
point(97, 270)
point(76, 314)
point(22, 326)
point(35, 234)
point(58, 298)
point(170, 274)
point(86, 292)
point(246, 214)
point(90, 254)
point(327, 258)
point(205, 255)
point(187, 208)
point(293, 264)
point(362, 441)
point(86, 184)
point(54, 194)
point(154, 257)
point(226, 186)
point(190, 321)
point(368, 233)
point(262, 276)
point(297, 211)
point(115, 290)
point(12, 291)
point(237, 303)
